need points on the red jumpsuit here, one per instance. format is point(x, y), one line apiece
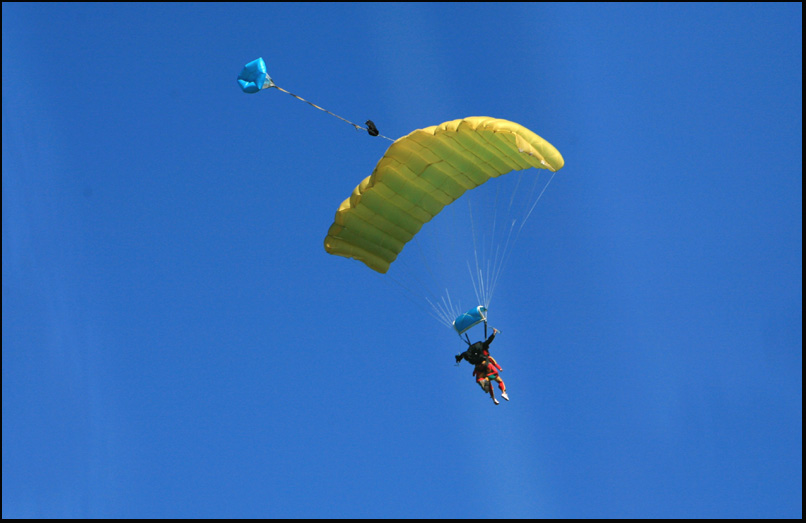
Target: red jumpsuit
point(487, 368)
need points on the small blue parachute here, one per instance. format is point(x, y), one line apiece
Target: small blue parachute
point(470, 319)
point(255, 77)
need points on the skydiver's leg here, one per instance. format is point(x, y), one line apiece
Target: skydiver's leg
point(491, 390)
point(502, 387)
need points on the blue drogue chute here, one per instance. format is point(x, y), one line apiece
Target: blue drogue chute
point(255, 77)
point(470, 319)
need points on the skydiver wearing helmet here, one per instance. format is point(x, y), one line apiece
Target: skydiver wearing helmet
point(485, 367)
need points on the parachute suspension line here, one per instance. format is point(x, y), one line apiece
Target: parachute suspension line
point(415, 274)
point(480, 279)
point(453, 310)
point(439, 312)
point(537, 200)
point(416, 298)
point(415, 287)
point(486, 269)
point(438, 308)
point(446, 310)
point(517, 236)
point(357, 127)
point(443, 309)
point(489, 281)
point(473, 281)
point(501, 260)
point(501, 254)
point(514, 192)
point(494, 260)
point(491, 263)
point(427, 265)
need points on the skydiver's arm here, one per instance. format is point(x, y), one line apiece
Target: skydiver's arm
point(489, 340)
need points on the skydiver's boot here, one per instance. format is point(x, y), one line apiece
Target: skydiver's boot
point(496, 401)
point(504, 395)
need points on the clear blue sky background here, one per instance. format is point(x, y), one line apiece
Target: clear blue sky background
point(176, 342)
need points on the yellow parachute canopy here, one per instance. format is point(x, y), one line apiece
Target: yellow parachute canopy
point(422, 173)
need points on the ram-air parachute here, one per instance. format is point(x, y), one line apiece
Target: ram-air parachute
point(422, 173)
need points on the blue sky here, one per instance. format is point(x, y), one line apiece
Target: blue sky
point(176, 342)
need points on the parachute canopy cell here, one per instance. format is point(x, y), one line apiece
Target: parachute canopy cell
point(254, 77)
point(423, 172)
point(470, 319)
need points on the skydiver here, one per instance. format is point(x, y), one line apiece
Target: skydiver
point(486, 368)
